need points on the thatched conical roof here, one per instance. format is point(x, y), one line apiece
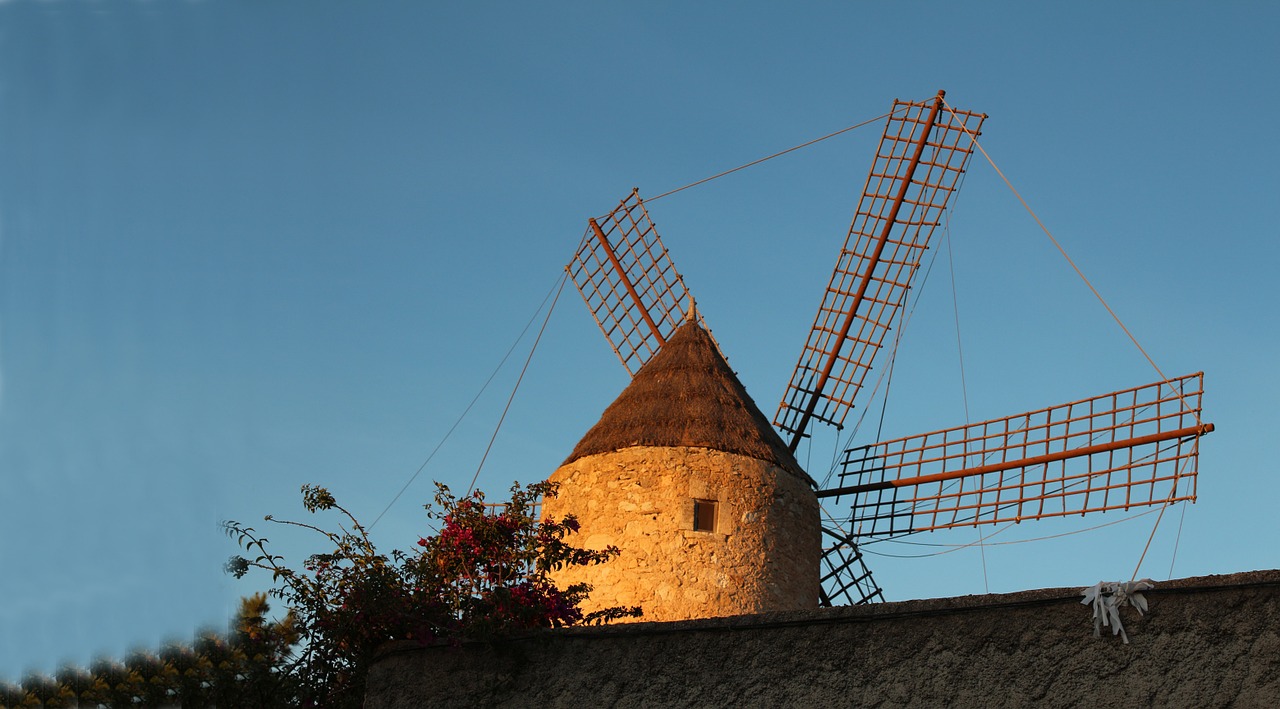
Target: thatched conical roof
point(687, 396)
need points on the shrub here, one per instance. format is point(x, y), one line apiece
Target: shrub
point(484, 575)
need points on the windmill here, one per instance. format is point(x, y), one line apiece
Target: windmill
point(1115, 451)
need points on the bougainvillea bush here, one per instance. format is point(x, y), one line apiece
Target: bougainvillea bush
point(484, 575)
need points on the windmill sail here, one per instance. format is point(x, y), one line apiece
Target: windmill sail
point(918, 165)
point(629, 282)
point(845, 580)
point(1116, 451)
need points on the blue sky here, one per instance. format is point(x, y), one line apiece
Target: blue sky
point(247, 246)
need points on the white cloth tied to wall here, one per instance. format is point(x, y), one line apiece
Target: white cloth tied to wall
point(1108, 597)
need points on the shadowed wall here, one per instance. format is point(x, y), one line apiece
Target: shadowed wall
point(1207, 642)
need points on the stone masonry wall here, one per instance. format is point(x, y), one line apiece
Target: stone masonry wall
point(763, 554)
point(1206, 642)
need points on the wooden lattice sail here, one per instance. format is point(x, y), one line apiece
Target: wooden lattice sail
point(846, 580)
point(918, 165)
point(1116, 451)
point(630, 285)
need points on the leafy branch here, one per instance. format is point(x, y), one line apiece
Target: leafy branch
point(484, 575)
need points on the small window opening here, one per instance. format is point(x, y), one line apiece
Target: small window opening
point(704, 516)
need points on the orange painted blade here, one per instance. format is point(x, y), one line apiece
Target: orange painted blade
point(629, 283)
point(922, 155)
point(1116, 451)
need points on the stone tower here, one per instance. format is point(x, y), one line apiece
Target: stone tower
point(685, 475)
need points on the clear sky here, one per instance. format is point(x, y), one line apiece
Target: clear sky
point(246, 246)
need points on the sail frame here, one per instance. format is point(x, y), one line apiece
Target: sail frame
point(921, 157)
point(1116, 451)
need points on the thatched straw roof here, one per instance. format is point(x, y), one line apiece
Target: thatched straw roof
point(687, 396)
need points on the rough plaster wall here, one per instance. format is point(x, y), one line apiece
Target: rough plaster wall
point(1207, 642)
point(762, 556)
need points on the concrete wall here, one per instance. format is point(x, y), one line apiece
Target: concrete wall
point(1207, 642)
point(762, 554)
